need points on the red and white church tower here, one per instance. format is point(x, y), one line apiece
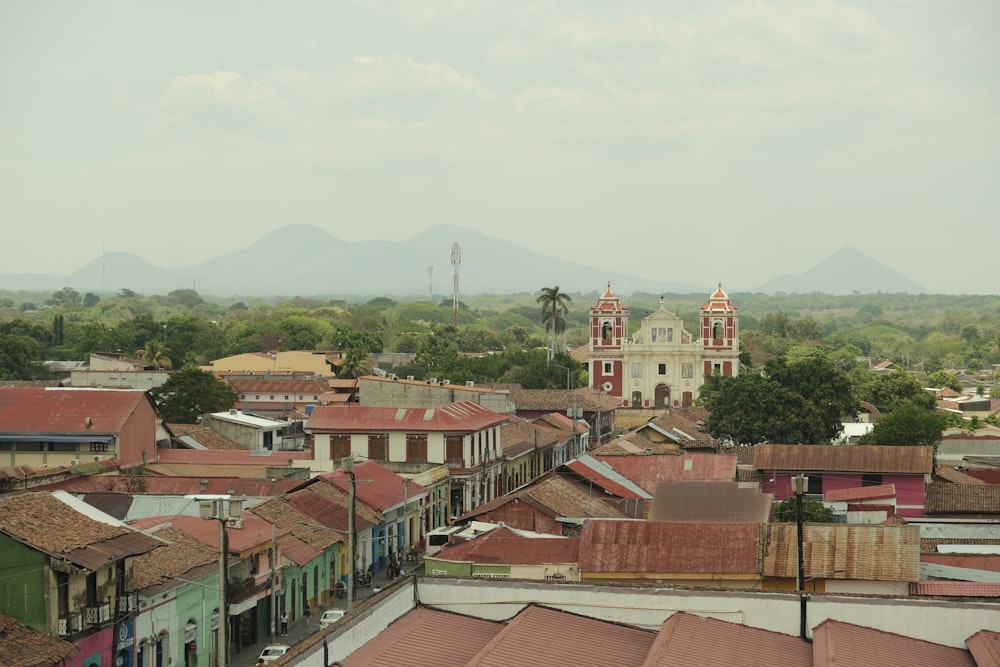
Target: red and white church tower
point(720, 336)
point(608, 336)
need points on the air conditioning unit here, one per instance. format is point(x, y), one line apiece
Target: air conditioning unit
point(393, 377)
point(74, 462)
point(444, 382)
point(470, 383)
point(410, 378)
point(234, 522)
point(96, 457)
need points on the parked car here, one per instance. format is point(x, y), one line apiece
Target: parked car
point(273, 652)
point(331, 616)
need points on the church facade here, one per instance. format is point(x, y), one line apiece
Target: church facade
point(662, 364)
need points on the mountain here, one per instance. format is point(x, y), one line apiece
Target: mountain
point(844, 272)
point(305, 260)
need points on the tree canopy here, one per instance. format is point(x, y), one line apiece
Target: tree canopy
point(908, 424)
point(813, 511)
point(190, 393)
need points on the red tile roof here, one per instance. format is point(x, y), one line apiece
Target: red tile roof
point(415, 640)
point(645, 547)
point(206, 437)
point(21, 646)
point(696, 641)
point(949, 498)
point(327, 505)
point(649, 471)
point(60, 410)
point(175, 486)
point(956, 589)
point(462, 417)
point(253, 536)
point(375, 485)
point(839, 644)
point(542, 636)
point(502, 546)
point(950, 474)
point(181, 553)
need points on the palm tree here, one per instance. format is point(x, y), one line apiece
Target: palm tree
point(156, 353)
point(553, 307)
point(355, 363)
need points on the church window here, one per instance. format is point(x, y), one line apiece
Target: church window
point(662, 369)
point(606, 331)
point(717, 331)
point(607, 368)
point(670, 334)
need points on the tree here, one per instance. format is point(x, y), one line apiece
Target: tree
point(156, 353)
point(908, 424)
point(812, 511)
point(67, 296)
point(554, 306)
point(90, 300)
point(888, 390)
point(190, 393)
point(944, 379)
point(355, 363)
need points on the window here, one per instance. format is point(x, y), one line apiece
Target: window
point(98, 446)
point(871, 479)
point(717, 331)
point(687, 370)
point(256, 397)
point(268, 439)
point(340, 447)
point(670, 334)
point(661, 369)
point(416, 447)
point(378, 447)
point(716, 369)
point(272, 397)
point(454, 450)
point(286, 397)
point(243, 397)
point(606, 331)
point(607, 368)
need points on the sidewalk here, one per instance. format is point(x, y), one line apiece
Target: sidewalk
point(298, 630)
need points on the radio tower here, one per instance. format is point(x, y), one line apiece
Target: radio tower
point(456, 259)
point(430, 283)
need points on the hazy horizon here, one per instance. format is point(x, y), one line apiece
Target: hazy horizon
point(699, 141)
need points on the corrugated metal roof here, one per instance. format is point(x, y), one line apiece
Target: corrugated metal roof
point(950, 474)
point(542, 636)
point(606, 477)
point(376, 485)
point(646, 547)
point(94, 556)
point(502, 546)
point(462, 417)
point(839, 644)
point(649, 471)
point(845, 551)
point(253, 457)
point(278, 385)
point(861, 493)
point(65, 411)
point(118, 485)
point(427, 637)
point(844, 458)
point(710, 502)
point(254, 535)
point(697, 641)
point(985, 648)
point(555, 497)
point(298, 551)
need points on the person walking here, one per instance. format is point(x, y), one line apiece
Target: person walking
point(284, 623)
point(307, 612)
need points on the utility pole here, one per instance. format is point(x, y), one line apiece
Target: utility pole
point(800, 483)
point(222, 509)
point(274, 580)
point(347, 463)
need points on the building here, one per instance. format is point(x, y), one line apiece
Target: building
point(661, 365)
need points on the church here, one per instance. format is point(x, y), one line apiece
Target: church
point(661, 365)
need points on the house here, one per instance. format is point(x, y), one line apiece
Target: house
point(114, 370)
point(464, 436)
point(661, 365)
point(279, 397)
point(394, 391)
point(396, 498)
point(551, 504)
point(832, 467)
point(837, 643)
point(242, 463)
point(72, 580)
point(505, 553)
point(575, 431)
point(55, 426)
point(957, 445)
point(720, 555)
point(23, 646)
point(196, 436)
point(597, 409)
point(529, 451)
point(649, 470)
point(963, 500)
point(255, 433)
point(597, 478)
point(318, 363)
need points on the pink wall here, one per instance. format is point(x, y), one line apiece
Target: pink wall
point(909, 488)
point(91, 646)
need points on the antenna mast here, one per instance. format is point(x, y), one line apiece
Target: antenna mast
point(456, 259)
point(430, 283)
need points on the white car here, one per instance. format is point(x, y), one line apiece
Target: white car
point(273, 652)
point(331, 616)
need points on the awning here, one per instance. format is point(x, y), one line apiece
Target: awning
point(7, 437)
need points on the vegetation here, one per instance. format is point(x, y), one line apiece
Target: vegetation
point(190, 393)
point(908, 424)
point(813, 511)
point(554, 304)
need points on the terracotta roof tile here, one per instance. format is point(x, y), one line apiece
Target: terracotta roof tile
point(950, 474)
point(524, 434)
point(66, 529)
point(985, 648)
point(181, 554)
point(839, 644)
point(974, 589)
point(206, 437)
point(949, 498)
point(283, 515)
point(21, 646)
point(696, 641)
point(461, 417)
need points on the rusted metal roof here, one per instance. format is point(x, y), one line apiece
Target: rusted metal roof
point(949, 498)
point(298, 551)
point(57, 410)
point(606, 477)
point(427, 637)
point(376, 486)
point(649, 471)
point(255, 534)
point(697, 641)
point(839, 644)
point(985, 648)
point(327, 505)
point(543, 636)
point(845, 551)
point(503, 546)
point(861, 493)
point(26, 647)
point(461, 417)
point(555, 497)
point(709, 502)
point(118, 485)
point(845, 458)
point(950, 474)
point(631, 546)
point(257, 457)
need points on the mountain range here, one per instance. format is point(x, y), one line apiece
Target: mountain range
point(305, 260)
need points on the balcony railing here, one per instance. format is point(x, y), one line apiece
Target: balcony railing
point(99, 614)
point(70, 624)
point(128, 603)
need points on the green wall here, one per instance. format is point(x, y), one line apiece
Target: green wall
point(22, 583)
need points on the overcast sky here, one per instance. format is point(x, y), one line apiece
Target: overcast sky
point(684, 141)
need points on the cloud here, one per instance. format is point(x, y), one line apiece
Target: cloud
point(224, 91)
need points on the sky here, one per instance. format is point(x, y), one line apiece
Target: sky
point(680, 141)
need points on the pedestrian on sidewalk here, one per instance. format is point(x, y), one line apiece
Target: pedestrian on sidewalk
point(307, 612)
point(284, 623)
